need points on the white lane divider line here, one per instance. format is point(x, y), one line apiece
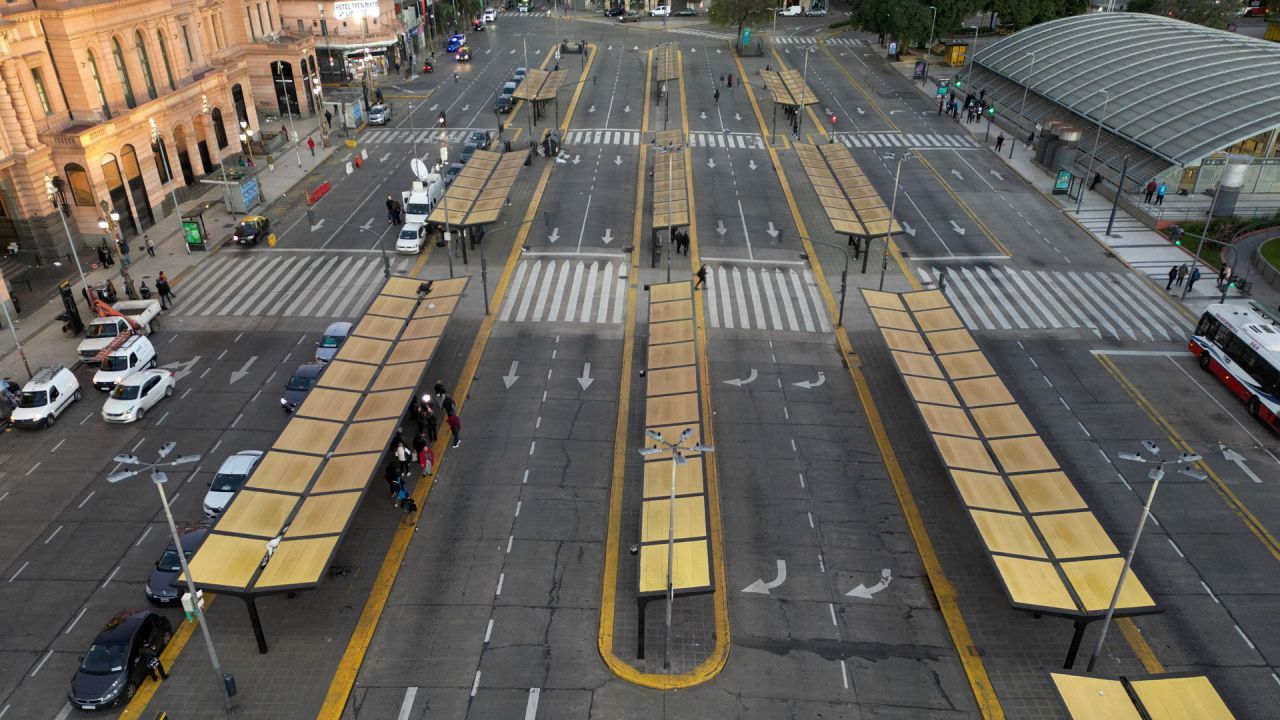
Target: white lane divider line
point(111, 576)
point(55, 447)
point(145, 533)
point(488, 632)
point(475, 685)
point(24, 567)
point(33, 469)
point(54, 535)
point(502, 577)
point(406, 706)
point(40, 664)
point(79, 615)
point(531, 709)
point(86, 499)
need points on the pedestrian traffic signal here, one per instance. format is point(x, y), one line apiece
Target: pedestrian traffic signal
point(959, 83)
point(991, 111)
point(833, 119)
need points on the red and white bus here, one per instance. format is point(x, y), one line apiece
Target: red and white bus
point(1240, 345)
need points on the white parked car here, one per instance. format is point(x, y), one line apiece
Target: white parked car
point(660, 11)
point(230, 478)
point(49, 392)
point(792, 11)
point(135, 355)
point(133, 396)
point(411, 239)
point(490, 15)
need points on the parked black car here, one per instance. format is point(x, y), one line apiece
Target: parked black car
point(160, 589)
point(117, 661)
point(295, 391)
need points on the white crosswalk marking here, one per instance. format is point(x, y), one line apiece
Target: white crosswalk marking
point(258, 284)
point(385, 136)
point(919, 141)
point(749, 297)
point(1117, 304)
point(603, 136)
point(566, 290)
point(742, 140)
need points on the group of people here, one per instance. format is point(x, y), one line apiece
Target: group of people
point(108, 294)
point(424, 416)
point(681, 239)
point(1156, 191)
point(1179, 274)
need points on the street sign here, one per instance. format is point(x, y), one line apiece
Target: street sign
point(942, 90)
point(746, 36)
point(191, 231)
point(1062, 183)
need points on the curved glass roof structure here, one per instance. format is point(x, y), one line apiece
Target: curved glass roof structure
point(1180, 91)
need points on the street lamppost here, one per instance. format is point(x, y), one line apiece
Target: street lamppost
point(893, 209)
point(8, 320)
point(288, 109)
point(1093, 155)
point(928, 49)
point(159, 479)
point(444, 168)
point(844, 274)
point(246, 138)
point(226, 189)
point(109, 222)
point(168, 171)
point(1156, 475)
point(52, 190)
point(1022, 109)
point(804, 91)
point(975, 52)
point(677, 460)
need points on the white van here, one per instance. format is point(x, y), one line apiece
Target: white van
point(660, 11)
point(135, 354)
point(792, 11)
point(43, 399)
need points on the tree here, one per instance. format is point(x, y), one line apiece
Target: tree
point(1209, 13)
point(740, 13)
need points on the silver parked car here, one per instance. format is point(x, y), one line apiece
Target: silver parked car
point(334, 335)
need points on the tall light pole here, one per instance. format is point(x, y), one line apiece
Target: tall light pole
point(1022, 109)
point(928, 49)
point(110, 223)
point(1094, 154)
point(1156, 475)
point(8, 320)
point(677, 460)
point(168, 171)
point(246, 138)
point(71, 243)
point(975, 52)
point(444, 169)
point(159, 479)
point(226, 189)
point(893, 209)
point(804, 92)
point(288, 108)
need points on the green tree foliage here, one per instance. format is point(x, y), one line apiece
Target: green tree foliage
point(1201, 12)
point(907, 21)
point(740, 13)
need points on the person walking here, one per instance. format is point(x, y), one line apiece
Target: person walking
point(419, 444)
point(392, 213)
point(402, 456)
point(1160, 191)
point(1182, 274)
point(1191, 281)
point(455, 425)
point(1173, 276)
point(717, 96)
point(311, 145)
point(427, 461)
point(730, 78)
point(450, 409)
point(150, 246)
point(392, 475)
point(440, 391)
point(328, 119)
point(165, 292)
point(702, 276)
point(430, 422)
point(999, 141)
point(130, 290)
point(410, 509)
point(1151, 191)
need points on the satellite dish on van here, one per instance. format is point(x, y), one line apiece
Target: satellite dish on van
point(420, 169)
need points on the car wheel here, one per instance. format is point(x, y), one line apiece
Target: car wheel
point(77, 394)
point(165, 638)
point(168, 391)
point(1204, 359)
point(48, 422)
point(1255, 406)
point(141, 413)
point(129, 691)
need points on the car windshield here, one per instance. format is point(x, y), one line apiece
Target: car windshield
point(246, 230)
point(332, 341)
point(105, 659)
point(116, 362)
point(169, 561)
point(417, 209)
point(102, 331)
point(227, 483)
point(126, 392)
point(33, 399)
point(300, 382)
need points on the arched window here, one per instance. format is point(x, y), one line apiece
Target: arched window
point(78, 179)
point(164, 55)
point(123, 72)
point(237, 99)
point(146, 65)
point(97, 83)
point(219, 130)
point(161, 153)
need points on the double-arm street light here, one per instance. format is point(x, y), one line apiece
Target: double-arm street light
point(159, 479)
point(1022, 109)
point(52, 186)
point(678, 459)
point(1156, 475)
point(246, 138)
point(893, 210)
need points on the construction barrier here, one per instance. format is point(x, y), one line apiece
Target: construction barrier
point(315, 195)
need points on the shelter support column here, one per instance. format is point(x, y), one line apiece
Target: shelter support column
point(256, 621)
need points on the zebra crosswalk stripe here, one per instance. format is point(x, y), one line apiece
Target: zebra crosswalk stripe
point(321, 285)
point(565, 290)
point(762, 299)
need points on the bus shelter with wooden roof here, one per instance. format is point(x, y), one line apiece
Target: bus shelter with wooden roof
point(1173, 696)
point(670, 189)
point(1048, 549)
point(538, 87)
point(477, 195)
point(281, 531)
point(851, 203)
point(789, 91)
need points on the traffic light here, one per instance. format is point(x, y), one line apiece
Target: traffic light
point(991, 111)
point(833, 119)
point(959, 83)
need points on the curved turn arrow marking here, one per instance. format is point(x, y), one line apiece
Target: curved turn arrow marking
point(762, 587)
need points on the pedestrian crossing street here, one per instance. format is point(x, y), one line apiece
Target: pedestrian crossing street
point(810, 40)
point(921, 141)
point(698, 138)
point(281, 284)
point(592, 289)
point(1116, 304)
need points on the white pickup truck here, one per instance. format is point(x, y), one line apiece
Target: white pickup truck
point(99, 333)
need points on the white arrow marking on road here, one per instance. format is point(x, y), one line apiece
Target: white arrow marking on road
point(702, 115)
point(466, 108)
point(862, 591)
point(319, 224)
point(720, 228)
point(762, 587)
point(626, 108)
point(510, 378)
point(957, 173)
point(773, 232)
point(617, 159)
point(181, 369)
point(385, 157)
point(243, 370)
point(737, 116)
point(711, 163)
point(433, 107)
point(739, 382)
point(609, 48)
point(809, 384)
point(906, 228)
point(577, 159)
point(955, 226)
point(586, 379)
point(608, 236)
point(555, 234)
point(1238, 460)
point(367, 224)
point(513, 52)
point(751, 164)
point(895, 112)
point(591, 109)
point(860, 111)
point(997, 175)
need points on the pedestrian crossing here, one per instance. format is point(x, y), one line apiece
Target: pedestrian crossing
point(747, 141)
point(603, 136)
point(1115, 304)
point(811, 40)
point(387, 136)
point(281, 284)
point(711, 34)
point(764, 298)
point(567, 289)
point(920, 141)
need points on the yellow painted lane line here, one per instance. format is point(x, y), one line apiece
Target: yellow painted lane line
point(344, 678)
point(948, 599)
point(138, 705)
point(1146, 654)
point(1237, 506)
point(870, 98)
